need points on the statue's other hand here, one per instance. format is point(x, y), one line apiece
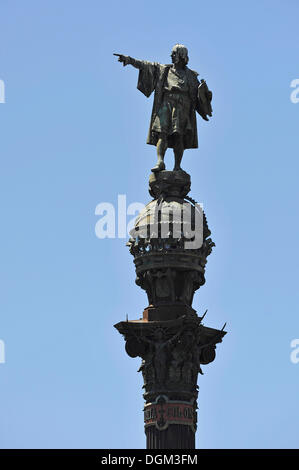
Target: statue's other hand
point(123, 58)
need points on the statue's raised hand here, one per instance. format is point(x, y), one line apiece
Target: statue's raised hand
point(123, 58)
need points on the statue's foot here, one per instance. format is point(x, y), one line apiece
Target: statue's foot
point(178, 168)
point(159, 167)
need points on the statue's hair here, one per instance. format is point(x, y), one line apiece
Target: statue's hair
point(182, 51)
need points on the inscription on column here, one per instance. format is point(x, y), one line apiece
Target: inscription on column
point(163, 412)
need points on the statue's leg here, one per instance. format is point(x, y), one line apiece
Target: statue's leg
point(178, 150)
point(161, 149)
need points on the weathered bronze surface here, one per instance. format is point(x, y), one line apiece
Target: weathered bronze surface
point(170, 338)
point(178, 95)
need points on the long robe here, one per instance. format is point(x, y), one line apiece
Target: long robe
point(152, 77)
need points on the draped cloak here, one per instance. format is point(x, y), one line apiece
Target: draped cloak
point(152, 77)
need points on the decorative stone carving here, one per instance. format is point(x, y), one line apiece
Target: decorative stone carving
point(170, 338)
point(170, 243)
point(171, 352)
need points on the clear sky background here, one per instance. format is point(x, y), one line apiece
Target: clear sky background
point(72, 135)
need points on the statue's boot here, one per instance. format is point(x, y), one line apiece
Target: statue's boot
point(159, 167)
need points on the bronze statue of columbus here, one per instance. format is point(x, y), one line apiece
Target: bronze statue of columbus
point(178, 94)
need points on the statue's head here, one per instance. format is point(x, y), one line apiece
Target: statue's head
point(179, 53)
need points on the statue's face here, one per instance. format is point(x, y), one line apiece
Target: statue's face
point(179, 55)
point(175, 57)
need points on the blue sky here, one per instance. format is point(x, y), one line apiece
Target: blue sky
point(73, 131)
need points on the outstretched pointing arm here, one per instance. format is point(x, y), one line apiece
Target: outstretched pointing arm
point(148, 72)
point(127, 60)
